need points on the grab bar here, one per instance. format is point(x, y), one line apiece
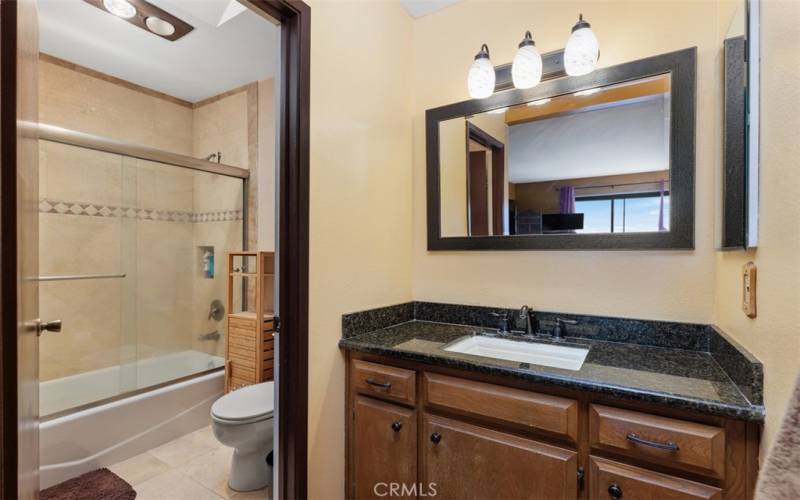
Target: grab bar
point(80, 277)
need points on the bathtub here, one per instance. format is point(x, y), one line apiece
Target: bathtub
point(101, 435)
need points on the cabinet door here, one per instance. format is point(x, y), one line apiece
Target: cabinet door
point(384, 449)
point(613, 480)
point(463, 461)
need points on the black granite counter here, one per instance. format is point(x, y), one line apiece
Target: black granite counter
point(681, 378)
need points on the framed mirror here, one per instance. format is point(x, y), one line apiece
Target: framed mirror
point(604, 161)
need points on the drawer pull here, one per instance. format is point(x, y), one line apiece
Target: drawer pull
point(397, 425)
point(436, 437)
point(669, 445)
point(615, 491)
point(382, 385)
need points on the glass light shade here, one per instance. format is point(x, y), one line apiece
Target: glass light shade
point(481, 78)
point(526, 68)
point(120, 8)
point(159, 26)
point(581, 53)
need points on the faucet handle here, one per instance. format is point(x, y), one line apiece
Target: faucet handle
point(503, 317)
point(558, 332)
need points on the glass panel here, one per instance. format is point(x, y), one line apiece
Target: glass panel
point(80, 242)
point(596, 216)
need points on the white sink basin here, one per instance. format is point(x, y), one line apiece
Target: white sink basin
point(569, 358)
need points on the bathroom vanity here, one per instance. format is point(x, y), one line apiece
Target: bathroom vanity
point(637, 419)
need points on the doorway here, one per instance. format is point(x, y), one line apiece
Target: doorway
point(19, 219)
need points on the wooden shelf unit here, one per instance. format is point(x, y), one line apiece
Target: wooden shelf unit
point(250, 342)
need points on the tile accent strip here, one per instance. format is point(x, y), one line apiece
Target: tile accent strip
point(112, 211)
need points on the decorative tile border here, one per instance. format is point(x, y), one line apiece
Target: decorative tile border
point(111, 211)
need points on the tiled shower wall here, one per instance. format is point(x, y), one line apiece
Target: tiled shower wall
point(102, 213)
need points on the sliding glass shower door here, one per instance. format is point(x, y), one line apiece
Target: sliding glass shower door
point(131, 252)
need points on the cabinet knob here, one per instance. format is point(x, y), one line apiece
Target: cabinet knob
point(397, 425)
point(615, 491)
point(436, 437)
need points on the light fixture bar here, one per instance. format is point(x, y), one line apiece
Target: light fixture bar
point(144, 10)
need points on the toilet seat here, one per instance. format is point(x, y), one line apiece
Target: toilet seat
point(246, 405)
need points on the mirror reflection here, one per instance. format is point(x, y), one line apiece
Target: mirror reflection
point(595, 161)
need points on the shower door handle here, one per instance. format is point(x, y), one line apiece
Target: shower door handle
point(48, 326)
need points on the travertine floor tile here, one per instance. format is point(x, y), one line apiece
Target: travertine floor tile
point(172, 485)
point(139, 468)
point(186, 448)
point(211, 470)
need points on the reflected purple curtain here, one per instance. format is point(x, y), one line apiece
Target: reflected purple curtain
point(566, 200)
point(661, 209)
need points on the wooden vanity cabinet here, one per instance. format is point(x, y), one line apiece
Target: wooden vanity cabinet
point(463, 461)
point(385, 447)
point(466, 435)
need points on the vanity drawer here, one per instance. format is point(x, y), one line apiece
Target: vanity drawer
point(385, 382)
point(552, 414)
point(667, 441)
point(608, 479)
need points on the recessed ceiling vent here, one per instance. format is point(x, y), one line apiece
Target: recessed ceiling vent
point(146, 16)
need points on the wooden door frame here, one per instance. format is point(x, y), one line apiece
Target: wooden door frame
point(497, 181)
point(293, 227)
point(294, 17)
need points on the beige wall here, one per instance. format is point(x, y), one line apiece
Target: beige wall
point(772, 336)
point(569, 281)
point(360, 247)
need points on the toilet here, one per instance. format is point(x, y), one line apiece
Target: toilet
point(242, 419)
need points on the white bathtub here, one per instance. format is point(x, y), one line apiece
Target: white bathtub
point(103, 435)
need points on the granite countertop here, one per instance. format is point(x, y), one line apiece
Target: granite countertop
point(681, 378)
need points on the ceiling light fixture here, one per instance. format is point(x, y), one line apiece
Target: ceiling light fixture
point(481, 77)
point(120, 8)
point(159, 26)
point(582, 50)
point(146, 16)
point(526, 68)
point(540, 102)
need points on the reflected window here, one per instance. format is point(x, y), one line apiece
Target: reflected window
point(624, 213)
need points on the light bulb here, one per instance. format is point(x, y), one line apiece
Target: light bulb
point(526, 68)
point(120, 8)
point(481, 77)
point(582, 50)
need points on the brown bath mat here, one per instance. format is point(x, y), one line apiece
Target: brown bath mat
point(100, 484)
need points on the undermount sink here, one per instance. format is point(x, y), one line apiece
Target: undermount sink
point(556, 356)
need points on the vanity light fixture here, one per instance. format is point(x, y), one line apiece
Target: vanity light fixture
point(120, 8)
point(481, 77)
point(540, 102)
point(582, 50)
point(526, 68)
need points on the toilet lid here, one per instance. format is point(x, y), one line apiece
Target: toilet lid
point(246, 403)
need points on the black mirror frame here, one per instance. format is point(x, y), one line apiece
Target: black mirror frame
point(682, 67)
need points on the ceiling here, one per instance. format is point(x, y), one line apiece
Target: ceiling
point(614, 140)
point(421, 8)
point(230, 46)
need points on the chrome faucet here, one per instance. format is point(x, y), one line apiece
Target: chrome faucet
point(561, 329)
point(529, 317)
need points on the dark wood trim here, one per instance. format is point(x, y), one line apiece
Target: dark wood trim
point(682, 67)
point(734, 173)
point(8, 249)
point(477, 134)
point(292, 248)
